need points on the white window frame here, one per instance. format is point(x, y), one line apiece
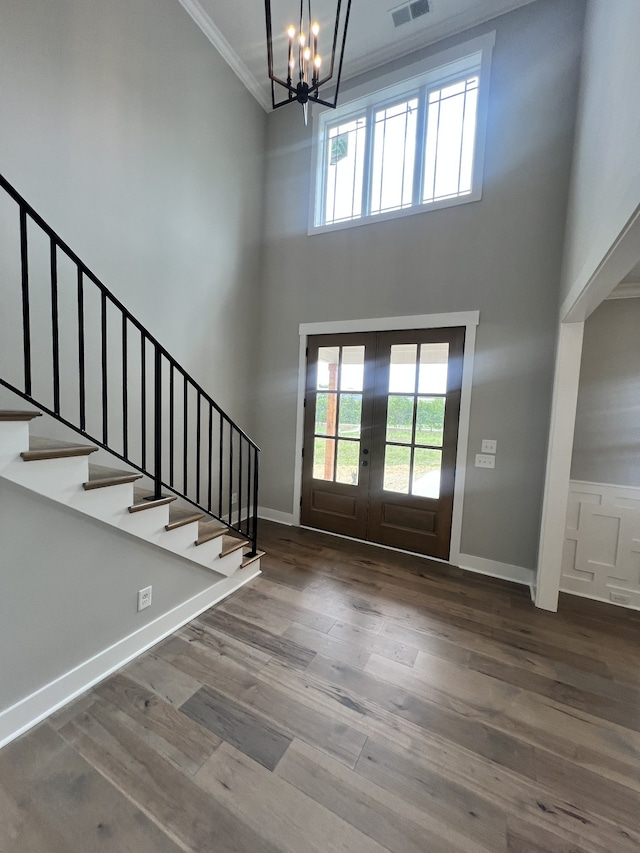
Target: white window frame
point(471, 57)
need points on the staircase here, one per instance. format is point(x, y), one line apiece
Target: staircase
point(174, 470)
point(62, 472)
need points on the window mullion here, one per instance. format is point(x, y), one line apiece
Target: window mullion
point(368, 164)
point(421, 137)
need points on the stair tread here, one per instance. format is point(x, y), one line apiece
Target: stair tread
point(231, 544)
point(18, 415)
point(52, 448)
point(208, 530)
point(179, 516)
point(101, 476)
point(248, 560)
point(141, 500)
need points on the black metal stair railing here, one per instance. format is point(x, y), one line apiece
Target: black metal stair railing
point(135, 375)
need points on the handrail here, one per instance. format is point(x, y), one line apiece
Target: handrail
point(231, 475)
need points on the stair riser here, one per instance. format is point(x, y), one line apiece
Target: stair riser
point(14, 439)
point(110, 505)
point(60, 479)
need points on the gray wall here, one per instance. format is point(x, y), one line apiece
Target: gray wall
point(74, 598)
point(605, 186)
point(607, 437)
point(501, 255)
point(127, 131)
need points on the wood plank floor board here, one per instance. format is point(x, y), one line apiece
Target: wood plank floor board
point(349, 699)
point(308, 721)
point(168, 731)
point(277, 810)
point(272, 644)
point(53, 801)
point(262, 740)
point(177, 803)
point(381, 814)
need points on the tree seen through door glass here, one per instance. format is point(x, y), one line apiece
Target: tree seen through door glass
point(430, 421)
point(400, 419)
point(338, 413)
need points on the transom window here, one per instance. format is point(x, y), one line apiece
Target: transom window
point(409, 147)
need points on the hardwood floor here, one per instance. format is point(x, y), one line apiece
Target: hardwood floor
point(350, 699)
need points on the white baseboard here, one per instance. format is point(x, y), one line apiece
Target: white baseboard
point(602, 598)
point(276, 515)
point(31, 710)
point(516, 574)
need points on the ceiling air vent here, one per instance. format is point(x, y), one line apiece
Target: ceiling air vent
point(409, 12)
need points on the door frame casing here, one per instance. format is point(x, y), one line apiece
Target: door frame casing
point(469, 320)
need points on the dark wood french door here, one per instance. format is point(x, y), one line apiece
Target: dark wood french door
point(380, 436)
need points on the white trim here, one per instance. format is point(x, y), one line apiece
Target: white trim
point(597, 487)
point(588, 291)
point(494, 569)
point(626, 290)
point(203, 20)
point(601, 599)
point(277, 516)
point(31, 710)
point(556, 488)
point(469, 319)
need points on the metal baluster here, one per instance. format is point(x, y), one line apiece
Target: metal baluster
point(198, 437)
point(209, 493)
point(240, 483)
point(230, 475)
point(125, 392)
point(254, 532)
point(248, 519)
point(81, 367)
point(171, 424)
point(105, 416)
point(220, 468)
point(143, 396)
point(157, 425)
point(26, 317)
point(54, 327)
point(185, 437)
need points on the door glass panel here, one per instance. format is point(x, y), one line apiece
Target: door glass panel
point(352, 374)
point(348, 461)
point(426, 473)
point(434, 359)
point(397, 469)
point(323, 456)
point(430, 420)
point(400, 419)
point(328, 361)
point(350, 415)
point(322, 409)
point(402, 369)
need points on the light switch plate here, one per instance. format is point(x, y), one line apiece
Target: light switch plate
point(489, 445)
point(485, 460)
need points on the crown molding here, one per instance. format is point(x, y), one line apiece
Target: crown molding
point(626, 290)
point(204, 22)
point(429, 35)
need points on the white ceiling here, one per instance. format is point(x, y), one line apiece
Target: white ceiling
point(237, 29)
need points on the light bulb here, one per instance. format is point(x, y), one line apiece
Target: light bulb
point(291, 31)
point(301, 39)
point(307, 54)
point(292, 64)
point(317, 62)
point(315, 29)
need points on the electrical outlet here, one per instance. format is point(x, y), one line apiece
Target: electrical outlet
point(619, 598)
point(144, 598)
point(484, 460)
point(234, 498)
point(489, 445)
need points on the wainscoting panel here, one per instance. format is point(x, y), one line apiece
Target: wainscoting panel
point(601, 557)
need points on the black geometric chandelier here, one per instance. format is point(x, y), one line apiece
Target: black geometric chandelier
point(307, 70)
